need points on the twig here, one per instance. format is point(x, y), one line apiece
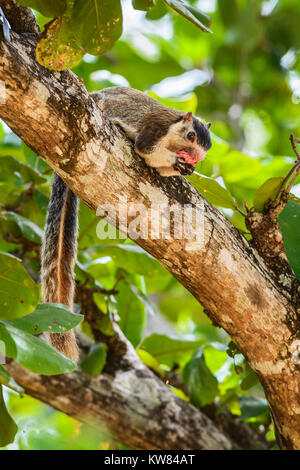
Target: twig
point(295, 169)
point(293, 142)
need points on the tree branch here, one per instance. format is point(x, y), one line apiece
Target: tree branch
point(54, 115)
point(127, 401)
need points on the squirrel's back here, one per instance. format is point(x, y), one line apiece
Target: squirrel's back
point(129, 107)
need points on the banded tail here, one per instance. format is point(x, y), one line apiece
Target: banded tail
point(59, 252)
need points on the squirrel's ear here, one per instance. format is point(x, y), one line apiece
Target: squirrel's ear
point(188, 116)
point(208, 124)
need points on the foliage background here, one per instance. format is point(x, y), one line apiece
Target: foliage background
point(245, 78)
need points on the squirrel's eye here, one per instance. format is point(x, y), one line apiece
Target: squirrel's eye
point(191, 135)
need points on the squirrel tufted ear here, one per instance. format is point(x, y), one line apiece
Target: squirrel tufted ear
point(188, 116)
point(208, 124)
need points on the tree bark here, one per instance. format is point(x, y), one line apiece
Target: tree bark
point(55, 116)
point(128, 402)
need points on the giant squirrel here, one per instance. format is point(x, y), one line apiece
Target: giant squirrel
point(169, 140)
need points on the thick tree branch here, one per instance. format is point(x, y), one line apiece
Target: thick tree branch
point(56, 117)
point(129, 402)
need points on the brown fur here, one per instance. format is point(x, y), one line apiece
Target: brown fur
point(58, 258)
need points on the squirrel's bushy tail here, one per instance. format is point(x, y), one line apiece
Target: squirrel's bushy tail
point(59, 251)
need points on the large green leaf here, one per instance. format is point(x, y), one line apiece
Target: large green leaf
point(30, 230)
point(7, 380)
point(169, 350)
point(8, 427)
point(143, 5)
point(97, 24)
point(201, 383)
point(268, 190)
point(95, 359)
point(48, 317)
point(131, 311)
point(18, 292)
point(289, 221)
point(212, 191)
point(33, 353)
point(57, 48)
point(192, 14)
point(48, 8)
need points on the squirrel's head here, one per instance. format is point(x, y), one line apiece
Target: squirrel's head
point(191, 135)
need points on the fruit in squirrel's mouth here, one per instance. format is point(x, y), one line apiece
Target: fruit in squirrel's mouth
point(187, 157)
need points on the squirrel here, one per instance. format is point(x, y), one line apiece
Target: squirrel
point(169, 140)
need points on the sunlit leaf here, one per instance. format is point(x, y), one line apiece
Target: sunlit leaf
point(18, 292)
point(48, 8)
point(192, 14)
point(169, 350)
point(33, 353)
point(268, 190)
point(7, 380)
point(57, 48)
point(8, 427)
point(289, 221)
point(132, 258)
point(97, 24)
point(212, 191)
point(48, 317)
point(150, 361)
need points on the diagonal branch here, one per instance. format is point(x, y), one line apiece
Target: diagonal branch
point(54, 114)
point(129, 402)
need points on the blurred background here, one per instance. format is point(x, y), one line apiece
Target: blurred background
point(245, 79)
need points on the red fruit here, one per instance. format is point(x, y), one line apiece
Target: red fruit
point(187, 157)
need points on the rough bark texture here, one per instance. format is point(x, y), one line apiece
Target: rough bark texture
point(128, 401)
point(55, 116)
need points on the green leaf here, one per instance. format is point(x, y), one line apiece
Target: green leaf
point(252, 406)
point(8, 427)
point(192, 14)
point(268, 190)
point(95, 359)
point(48, 317)
point(289, 221)
point(132, 258)
point(10, 166)
point(48, 8)
point(249, 381)
point(202, 385)
point(97, 24)
point(30, 230)
point(150, 361)
point(131, 312)
point(212, 191)
point(7, 380)
point(18, 292)
point(169, 350)
point(33, 353)
point(143, 5)
point(57, 49)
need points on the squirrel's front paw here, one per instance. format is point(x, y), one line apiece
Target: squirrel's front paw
point(183, 167)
